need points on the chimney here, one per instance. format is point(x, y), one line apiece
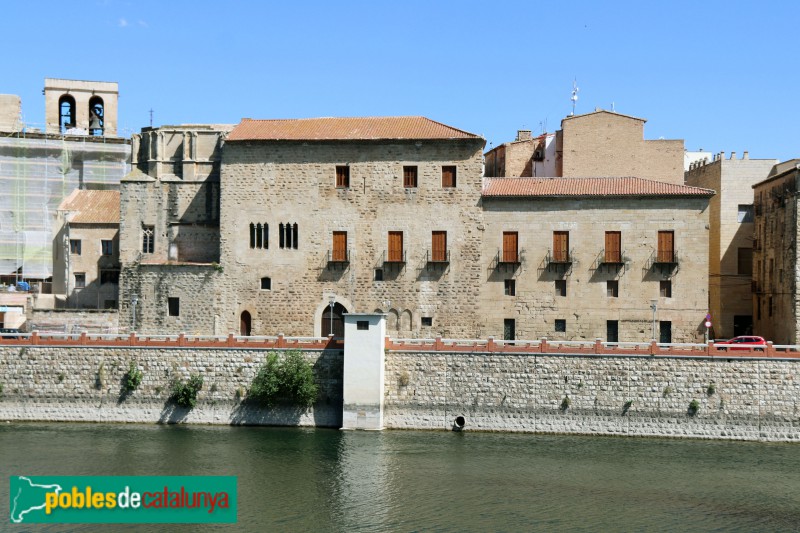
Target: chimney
point(746, 155)
point(733, 155)
point(524, 135)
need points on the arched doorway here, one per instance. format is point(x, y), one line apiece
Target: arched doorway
point(333, 320)
point(245, 324)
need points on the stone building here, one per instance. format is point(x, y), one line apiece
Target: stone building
point(730, 265)
point(601, 143)
point(87, 259)
point(775, 255)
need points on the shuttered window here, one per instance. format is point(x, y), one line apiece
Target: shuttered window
point(339, 246)
point(395, 246)
point(409, 177)
point(439, 246)
point(448, 176)
point(342, 176)
point(510, 249)
point(613, 247)
point(666, 247)
point(561, 246)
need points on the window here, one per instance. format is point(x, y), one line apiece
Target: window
point(174, 306)
point(665, 288)
point(745, 262)
point(107, 247)
point(561, 246)
point(561, 287)
point(288, 236)
point(770, 306)
point(666, 247)
point(395, 247)
point(409, 177)
point(259, 235)
point(378, 274)
point(427, 321)
point(561, 325)
point(339, 253)
point(613, 247)
point(148, 239)
point(448, 176)
point(665, 332)
point(80, 280)
point(342, 177)
point(612, 331)
point(745, 213)
point(439, 246)
point(109, 276)
point(511, 287)
point(75, 246)
point(266, 284)
point(510, 243)
point(362, 324)
point(66, 107)
point(612, 288)
point(509, 329)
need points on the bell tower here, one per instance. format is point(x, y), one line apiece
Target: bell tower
point(77, 107)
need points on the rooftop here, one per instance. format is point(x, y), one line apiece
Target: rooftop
point(92, 207)
point(585, 187)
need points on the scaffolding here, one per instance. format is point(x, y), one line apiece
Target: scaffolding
point(37, 171)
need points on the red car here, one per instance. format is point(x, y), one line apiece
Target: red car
point(744, 342)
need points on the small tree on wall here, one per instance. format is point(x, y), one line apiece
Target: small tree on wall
point(288, 381)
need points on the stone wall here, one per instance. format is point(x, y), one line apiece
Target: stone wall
point(85, 384)
point(750, 399)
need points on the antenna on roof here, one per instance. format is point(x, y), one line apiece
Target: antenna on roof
point(612, 107)
point(574, 96)
point(151, 117)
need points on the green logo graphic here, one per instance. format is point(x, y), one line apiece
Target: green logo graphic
point(122, 499)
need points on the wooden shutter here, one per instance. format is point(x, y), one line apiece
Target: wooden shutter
point(509, 247)
point(666, 243)
point(395, 246)
point(613, 247)
point(409, 176)
point(561, 246)
point(439, 246)
point(448, 176)
point(339, 246)
point(343, 176)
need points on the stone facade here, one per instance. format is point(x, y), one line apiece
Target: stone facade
point(730, 238)
point(776, 268)
point(93, 107)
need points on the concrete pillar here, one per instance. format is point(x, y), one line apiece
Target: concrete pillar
point(364, 342)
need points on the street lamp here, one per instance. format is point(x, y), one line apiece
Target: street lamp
point(654, 307)
point(134, 301)
point(331, 301)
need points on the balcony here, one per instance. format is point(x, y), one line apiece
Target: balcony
point(665, 257)
point(338, 259)
point(436, 258)
point(394, 258)
point(559, 261)
point(664, 261)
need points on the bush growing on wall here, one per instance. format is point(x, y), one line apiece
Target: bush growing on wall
point(133, 378)
point(185, 394)
point(290, 381)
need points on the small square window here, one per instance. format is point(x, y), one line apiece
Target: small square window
point(362, 324)
point(745, 213)
point(266, 284)
point(80, 279)
point(107, 247)
point(511, 287)
point(612, 288)
point(75, 246)
point(561, 325)
point(409, 177)
point(174, 305)
point(561, 287)
point(665, 288)
point(342, 177)
point(427, 321)
point(378, 274)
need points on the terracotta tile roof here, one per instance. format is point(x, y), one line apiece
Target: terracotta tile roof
point(92, 207)
point(359, 128)
point(585, 187)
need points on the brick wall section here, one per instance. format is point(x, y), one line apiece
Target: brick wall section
point(609, 144)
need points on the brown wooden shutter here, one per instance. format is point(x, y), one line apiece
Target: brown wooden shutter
point(509, 246)
point(339, 246)
point(439, 246)
point(395, 246)
point(343, 176)
point(666, 242)
point(409, 176)
point(613, 247)
point(561, 246)
point(448, 176)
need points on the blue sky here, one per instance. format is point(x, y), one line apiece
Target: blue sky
point(720, 75)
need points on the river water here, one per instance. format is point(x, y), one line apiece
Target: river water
point(295, 479)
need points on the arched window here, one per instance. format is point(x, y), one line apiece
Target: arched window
point(66, 110)
point(96, 116)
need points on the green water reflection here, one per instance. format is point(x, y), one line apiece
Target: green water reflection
point(293, 479)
